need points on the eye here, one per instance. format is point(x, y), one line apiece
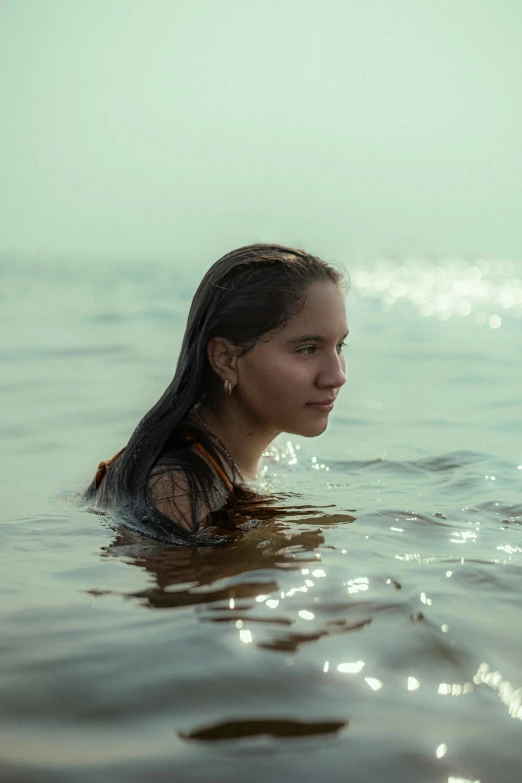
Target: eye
point(307, 350)
point(340, 347)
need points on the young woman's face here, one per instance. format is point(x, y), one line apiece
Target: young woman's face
point(289, 383)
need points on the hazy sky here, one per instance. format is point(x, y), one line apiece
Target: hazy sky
point(158, 128)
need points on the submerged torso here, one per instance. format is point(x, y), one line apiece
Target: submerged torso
point(191, 493)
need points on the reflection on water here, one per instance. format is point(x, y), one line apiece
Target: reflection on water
point(482, 289)
point(366, 629)
point(184, 576)
point(234, 730)
point(509, 696)
point(363, 621)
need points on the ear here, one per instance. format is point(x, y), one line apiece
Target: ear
point(223, 356)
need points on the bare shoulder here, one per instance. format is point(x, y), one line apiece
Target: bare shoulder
point(179, 496)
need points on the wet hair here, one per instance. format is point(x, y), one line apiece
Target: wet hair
point(245, 297)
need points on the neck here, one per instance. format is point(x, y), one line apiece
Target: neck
point(245, 439)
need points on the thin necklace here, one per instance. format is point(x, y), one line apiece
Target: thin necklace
point(229, 455)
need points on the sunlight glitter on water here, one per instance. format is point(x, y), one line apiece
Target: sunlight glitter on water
point(455, 689)
point(374, 683)
point(443, 289)
point(508, 695)
point(245, 636)
point(351, 667)
point(462, 780)
point(413, 684)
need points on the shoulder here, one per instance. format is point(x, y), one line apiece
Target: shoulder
point(185, 496)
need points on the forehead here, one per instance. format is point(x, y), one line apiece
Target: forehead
point(323, 313)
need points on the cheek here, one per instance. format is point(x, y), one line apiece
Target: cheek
point(278, 379)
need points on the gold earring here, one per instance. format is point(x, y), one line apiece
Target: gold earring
point(228, 387)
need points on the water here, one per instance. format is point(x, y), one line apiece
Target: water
point(372, 635)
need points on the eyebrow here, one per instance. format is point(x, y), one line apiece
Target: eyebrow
point(312, 338)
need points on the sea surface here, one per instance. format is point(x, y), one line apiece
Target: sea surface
point(374, 634)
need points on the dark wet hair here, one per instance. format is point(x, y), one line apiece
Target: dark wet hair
point(244, 297)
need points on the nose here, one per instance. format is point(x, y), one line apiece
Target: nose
point(332, 376)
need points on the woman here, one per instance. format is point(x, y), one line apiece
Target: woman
point(262, 354)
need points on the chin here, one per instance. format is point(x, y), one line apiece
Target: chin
point(311, 429)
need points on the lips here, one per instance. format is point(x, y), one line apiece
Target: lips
point(323, 405)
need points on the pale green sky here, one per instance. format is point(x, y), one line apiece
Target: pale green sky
point(158, 128)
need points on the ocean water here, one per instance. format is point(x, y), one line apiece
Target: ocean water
point(374, 634)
